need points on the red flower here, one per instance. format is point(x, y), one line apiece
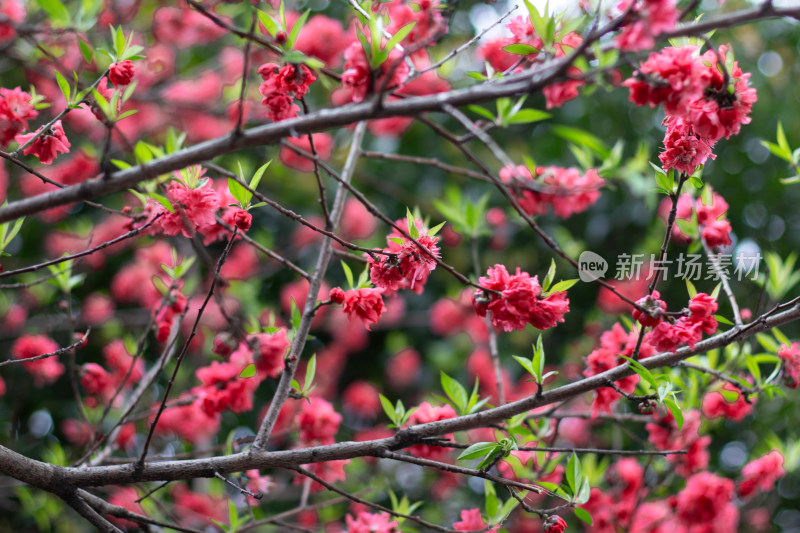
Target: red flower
point(46, 146)
point(424, 414)
point(357, 78)
point(121, 73)
point(761, 474)
point(372, 523)
point(717, 233)
point(715, 405)
point(242, 219)
point(555, 524)
point(471, 520)
point(790, 357)
point(318, 422)
point(16, 109)
point(366, 304)
point(44, 371)
point(519, 302)
point(654, 309)
point(684, 150)
point(651, 18)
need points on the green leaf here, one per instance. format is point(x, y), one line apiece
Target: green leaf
point(485, 113)
point(492, 503)
point(551, 274)
point(434, 230)
point(520, 49)
point(767, 342)
point(583, 515)
point(583, 138)
point(526, 116)
point(584, 492)
point(527, 365)
point(690, 288)
point(642, 371)
point(455, 391)
point(574, 474)
point(86, 50)
point(268, 22)
point(298, 25)
point(296, 315)
point(311, 371)
point(675, 409)
point(399, 35)
point(538, 357)
point(238, 192)
point(348, 274)
point(563, 285)
point(722, 320)
point(163, 201)
point(412, 227)
point(478, 450)
point(388, 408)
point(248, 372)
point(59, 14)
point(63, 84)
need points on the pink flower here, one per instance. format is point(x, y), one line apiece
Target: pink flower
point(126, 497)
point(44, 371)
point(688, 329)
point(555, 524)
point(715, 405)
point(557, 94)
point(790, 359)
point(281, 85)
point(519, 302)
point(471, 520)
point(358, 80)
point(654, 309)
point(198, 509)
point(761, 474)
point(684, 151)
point(323, 144)
point(257, 484)
point(410, 265)
point(565, 190)
point(318, 422)
point(366, 304)
point(222, 389)
point(194, 209)
point(271, 349)
point(665, 435)
point(16, 109)
point(323, 38)
point(242, 220)
point(717, 233)
point(707, 214)
point(361, 398)
point(372, 523)
point(705, 504)
point(14, 11)
point(650, 18)
point(121, 73)
point(492, 52)
point(188, 422)
point(46, 146)
point(613, 343)
point(96, 381)
point(424, 414)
